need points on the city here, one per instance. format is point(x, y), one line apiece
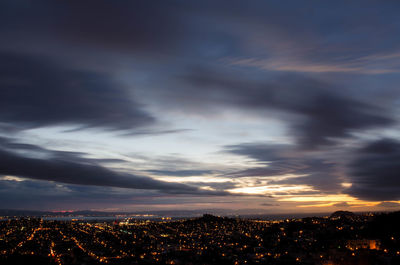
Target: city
point(208, 132)
point(339, 239)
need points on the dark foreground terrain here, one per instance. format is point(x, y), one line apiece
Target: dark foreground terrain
point(343, 238)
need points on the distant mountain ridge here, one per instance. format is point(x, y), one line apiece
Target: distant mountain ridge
point(342, 214)
point(172, 213)
point(21, 213)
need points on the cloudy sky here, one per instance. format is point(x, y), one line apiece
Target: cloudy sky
point(258, 106)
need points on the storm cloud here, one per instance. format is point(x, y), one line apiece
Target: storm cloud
point(127, 25)
point(375, 171)
point(37, 92)
point(276, 161)
point(69, 167)
point(316, 113)
point(225, 96)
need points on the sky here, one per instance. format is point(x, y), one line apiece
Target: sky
point(244, 106)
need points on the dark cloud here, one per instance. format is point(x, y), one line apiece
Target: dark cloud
point(389, 204)
point(342, 204)
point(45, 195)
point(374, 172)
point(180, 173)
point(126, 25)
point(37, 92)
point(36, 194)
point(259, 151)
point(318, 113)
point(67, 167)
point(321, 173)
point(227, 26)
point(154, 31)
point(315, 111)
point(269, 204)
point(372, 169)
point(183, 57)
point(329, 116)
point(152, 132)
point(226, 185)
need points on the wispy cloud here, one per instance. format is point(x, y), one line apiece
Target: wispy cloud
point(379, 63)
point(73, 168)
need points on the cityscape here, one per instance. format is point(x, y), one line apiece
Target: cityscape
point(339, 239)
point(199, 132)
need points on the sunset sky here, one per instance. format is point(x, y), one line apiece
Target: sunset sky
point(251, 106)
